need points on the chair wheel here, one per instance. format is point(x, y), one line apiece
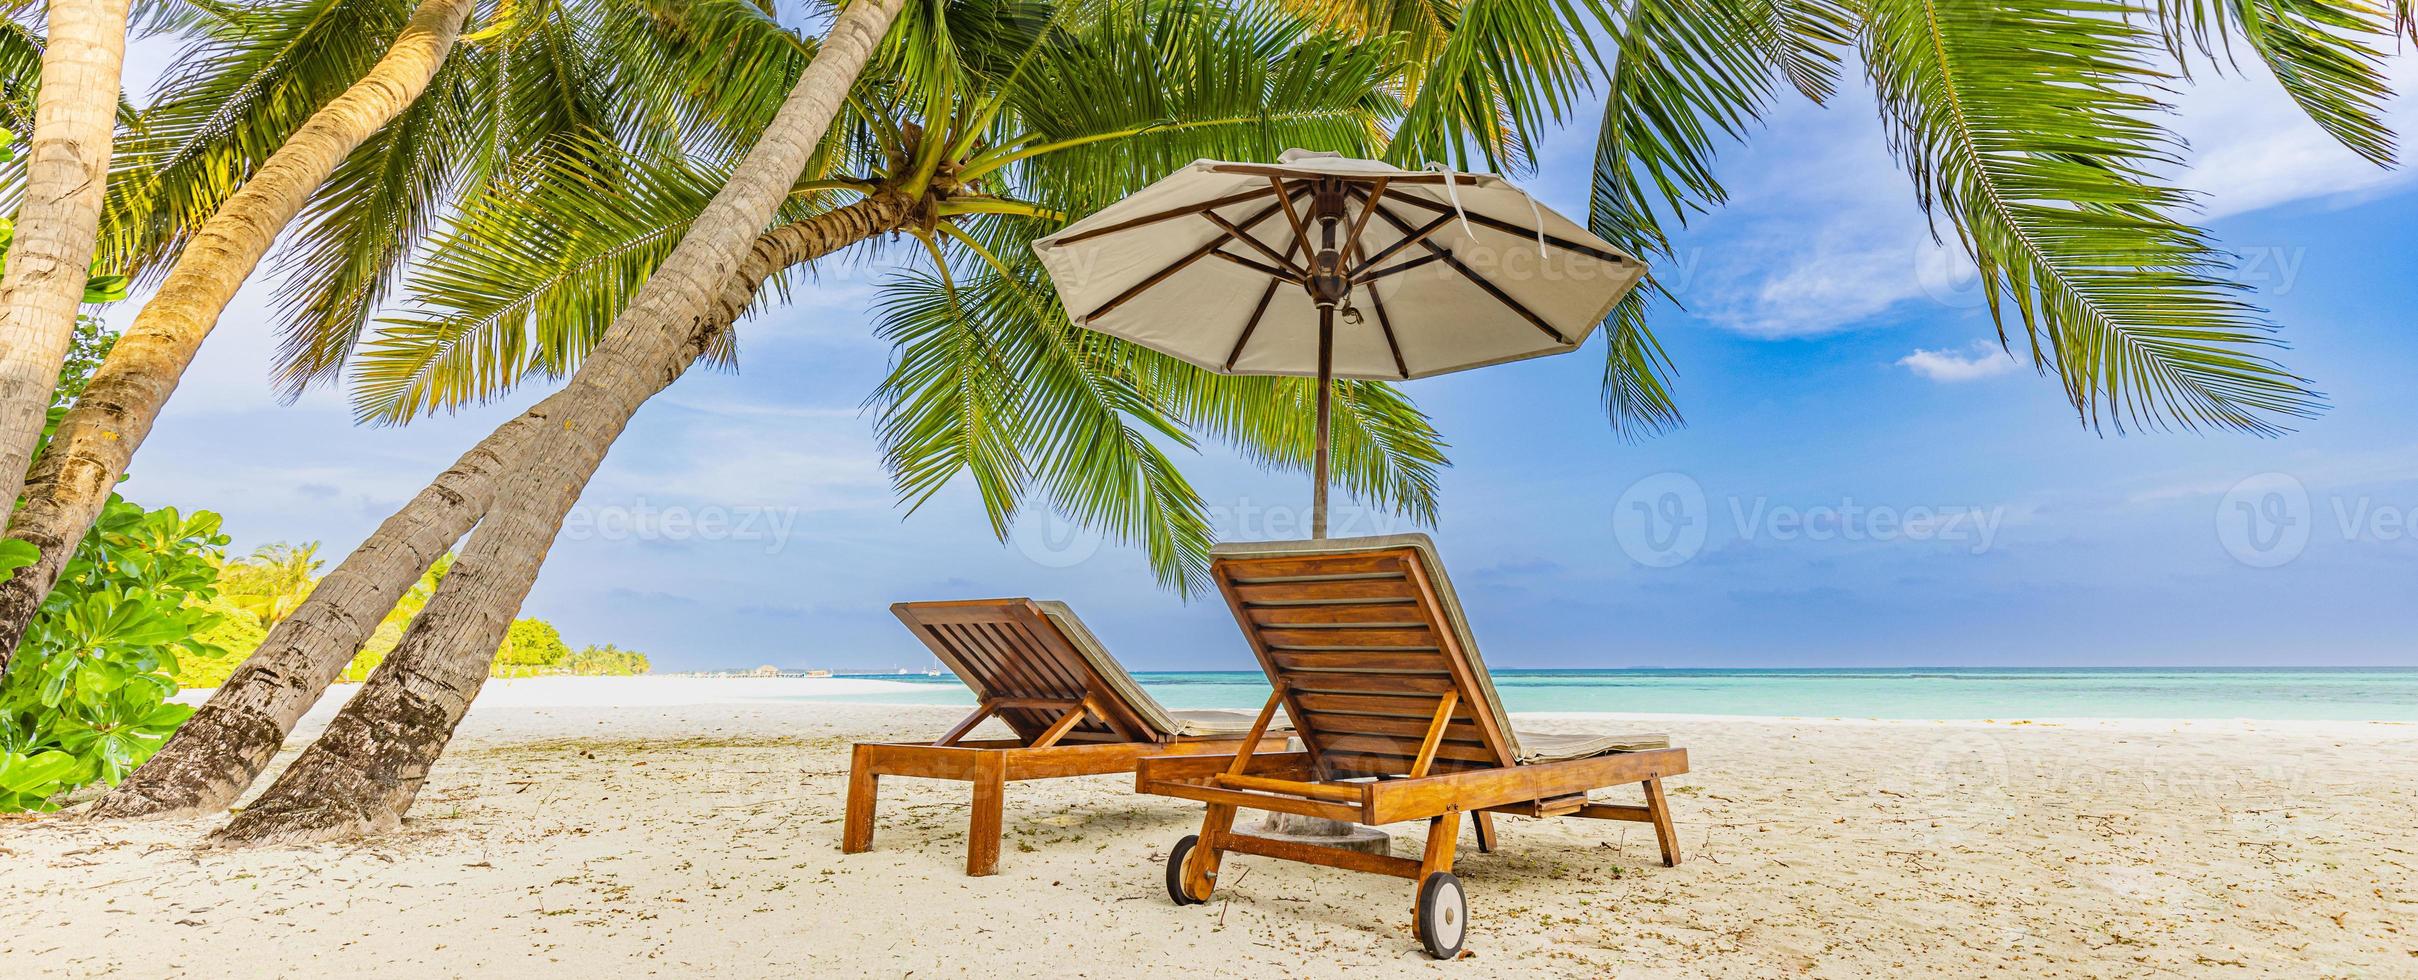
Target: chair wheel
point(1443, 915)
point(1175, 870)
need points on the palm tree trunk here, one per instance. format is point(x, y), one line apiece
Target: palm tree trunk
point(66, 174)
point(216, 754)
point(97, 438)
point(362, 774)
point(219, 751)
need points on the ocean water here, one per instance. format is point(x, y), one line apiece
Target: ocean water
point(2346, 694)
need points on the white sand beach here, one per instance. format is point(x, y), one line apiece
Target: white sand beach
point(666, 826)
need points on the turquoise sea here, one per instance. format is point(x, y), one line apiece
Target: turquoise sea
point(2346, 694)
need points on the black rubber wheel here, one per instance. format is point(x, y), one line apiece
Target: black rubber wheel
point(1443, 915)
point(1175, 870)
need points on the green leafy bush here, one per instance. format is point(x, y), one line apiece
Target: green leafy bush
point(531, 646)
point(86, 699)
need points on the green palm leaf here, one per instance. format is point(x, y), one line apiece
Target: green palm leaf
point(2038, 155)
point(233, 96)
point(2325, 55)
point(1686, 76)
point(1482, 76)
point(526, 283)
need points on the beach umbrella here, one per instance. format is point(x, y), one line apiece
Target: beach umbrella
point(1324, 266)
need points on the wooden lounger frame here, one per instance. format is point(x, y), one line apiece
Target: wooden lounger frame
point(1067, 719)
point(1393, 722)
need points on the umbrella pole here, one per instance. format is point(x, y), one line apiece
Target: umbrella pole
point(1326, 413)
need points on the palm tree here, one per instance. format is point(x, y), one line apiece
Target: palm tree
point(217, 753)
point(100, 433)
point(316, 110)
point(1683, 73)
point(75, 119)
point(961, 111)
point(273, 582)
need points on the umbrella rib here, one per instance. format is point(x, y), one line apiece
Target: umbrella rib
point(1301, 233)
point(1351, 242)
point(1506, 227)
point(1480, 281)
point(1403, 266)
point(1407, 241)
point(1149, 219)
point(1273, 273)
point(1251, 324)
point(1178, 265)
point(1284, 261)
point(1385, 324)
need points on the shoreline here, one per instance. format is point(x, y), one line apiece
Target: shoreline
point(674, 691)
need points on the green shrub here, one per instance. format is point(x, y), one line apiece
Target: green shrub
point(86, 699)
point(532, 646)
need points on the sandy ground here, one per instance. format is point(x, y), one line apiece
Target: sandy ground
point(609, 831)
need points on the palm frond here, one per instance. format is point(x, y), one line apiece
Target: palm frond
point(515, 94)
point(1168, 84)
point(1482, 77)
point(704, 75)
point(233, 96)
point(2039, 156)
point(985, 387)
point(2325, 54)
point(1686, 76)
point(526, 282)
point(355, 233)
point(1805, 39)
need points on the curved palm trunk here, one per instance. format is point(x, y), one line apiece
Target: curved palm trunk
point(364, 772)
point(215, 755)
point(66, 174)
point(219, 751)
point(99, 435)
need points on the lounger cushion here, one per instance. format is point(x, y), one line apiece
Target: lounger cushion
point(1213, 721)
point(1451, 611)
point(1561, 747)
point(1122, 686)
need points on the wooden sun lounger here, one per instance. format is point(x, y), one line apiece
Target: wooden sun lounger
point(1073, 708)
point(1398, 720)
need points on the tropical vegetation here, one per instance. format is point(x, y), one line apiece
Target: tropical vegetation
point(592, 192)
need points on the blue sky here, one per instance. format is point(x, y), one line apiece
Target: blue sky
point(1865, 480)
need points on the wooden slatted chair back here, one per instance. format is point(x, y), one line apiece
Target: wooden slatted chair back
point(1012, 656)
point(1359, 641)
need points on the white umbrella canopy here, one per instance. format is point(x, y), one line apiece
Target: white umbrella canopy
point(1330, 267)
point(1441, 279)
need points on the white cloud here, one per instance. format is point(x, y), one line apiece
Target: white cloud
point(1987, 360)
point(2253, 148)
point(1821, 233)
